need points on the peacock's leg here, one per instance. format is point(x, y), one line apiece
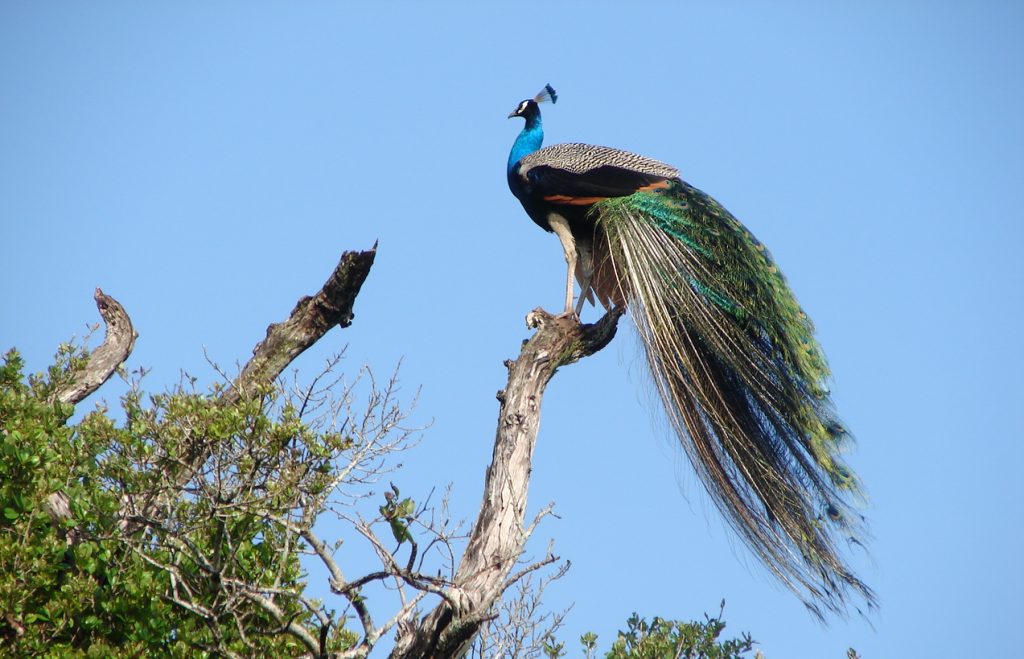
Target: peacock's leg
point(584, 274)
point(561, 228)
point(583, 298)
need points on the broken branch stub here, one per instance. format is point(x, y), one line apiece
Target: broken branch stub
point(103, 361)
point(312, 317)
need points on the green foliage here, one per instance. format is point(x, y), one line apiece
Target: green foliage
point(589, 643)
point(670, 639)
point(111, 547)
point(553, 649)
point(398, 513)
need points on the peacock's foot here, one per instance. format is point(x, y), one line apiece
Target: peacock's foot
point(571, 314)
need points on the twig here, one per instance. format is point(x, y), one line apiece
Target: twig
point(291, 626)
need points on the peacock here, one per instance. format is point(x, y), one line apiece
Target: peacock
point(733, 356)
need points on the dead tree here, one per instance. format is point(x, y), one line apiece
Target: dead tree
point(466, 600)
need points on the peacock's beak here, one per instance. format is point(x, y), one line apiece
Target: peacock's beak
point(513, 113)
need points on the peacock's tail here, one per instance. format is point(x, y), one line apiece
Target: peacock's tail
point(742, 378)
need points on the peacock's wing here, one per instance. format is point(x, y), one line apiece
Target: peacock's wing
point(742, 378)
point(581, 174)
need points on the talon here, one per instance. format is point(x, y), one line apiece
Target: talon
point(571, 315)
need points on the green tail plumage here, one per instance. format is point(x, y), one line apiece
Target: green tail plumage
point(732, 354)
point(742, 378)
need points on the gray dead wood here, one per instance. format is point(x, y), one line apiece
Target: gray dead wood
point(499, 536)
point(103, 361)
point(312, 317)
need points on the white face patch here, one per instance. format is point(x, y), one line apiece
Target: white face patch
point(522, 107)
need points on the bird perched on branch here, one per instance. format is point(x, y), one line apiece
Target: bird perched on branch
point(733, 355)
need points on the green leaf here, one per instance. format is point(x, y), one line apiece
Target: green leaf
point(406, 508)
point(399, 530)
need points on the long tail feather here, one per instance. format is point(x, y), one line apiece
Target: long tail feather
point(742, 379)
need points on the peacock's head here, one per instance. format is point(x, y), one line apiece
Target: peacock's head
point(529, 109)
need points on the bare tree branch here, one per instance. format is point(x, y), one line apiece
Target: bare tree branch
point(536, 565)
point(103, 361)
point(311, 318)
point(498, 536)
point(292, 627)
point(101, 364)
point(522, 628)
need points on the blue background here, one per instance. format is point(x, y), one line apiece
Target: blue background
point(206, 164)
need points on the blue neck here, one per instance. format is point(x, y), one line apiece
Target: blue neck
point(529, 140)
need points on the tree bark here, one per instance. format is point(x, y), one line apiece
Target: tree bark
point(498, 536)
point(103, 361)
point(312, 317)
point(118, 342)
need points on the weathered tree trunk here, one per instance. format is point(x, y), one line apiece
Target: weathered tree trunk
point(498, 535)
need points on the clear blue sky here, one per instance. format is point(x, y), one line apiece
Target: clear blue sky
point(206, 164)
